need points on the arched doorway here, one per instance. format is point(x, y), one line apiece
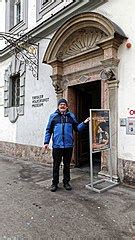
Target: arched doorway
point(80, 50)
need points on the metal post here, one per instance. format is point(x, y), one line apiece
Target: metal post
point(90, 144)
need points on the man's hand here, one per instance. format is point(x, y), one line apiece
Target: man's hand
point(46, 146)
point(87, 120)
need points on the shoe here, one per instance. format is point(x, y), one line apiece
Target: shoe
point(53, 188)
point(67, 186)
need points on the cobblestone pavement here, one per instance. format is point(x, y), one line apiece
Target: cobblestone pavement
point(29, 211)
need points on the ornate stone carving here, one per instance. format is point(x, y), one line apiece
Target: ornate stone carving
point(80, 42)
point(56, 82)
point(65, 84)
point(83, 79)
point(13, 114)
point(107, 74)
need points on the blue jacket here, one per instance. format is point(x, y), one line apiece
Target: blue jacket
point(61, 127)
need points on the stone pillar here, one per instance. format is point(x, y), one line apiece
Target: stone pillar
point(110, 69)
point(113, 105)
point(110, 76)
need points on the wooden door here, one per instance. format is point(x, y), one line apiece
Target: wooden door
point(88, 96)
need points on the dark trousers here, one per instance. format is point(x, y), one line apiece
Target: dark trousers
point(60, 154)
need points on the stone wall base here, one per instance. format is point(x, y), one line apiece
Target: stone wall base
point(126, 168)
point(126, 171)
point(27, 151)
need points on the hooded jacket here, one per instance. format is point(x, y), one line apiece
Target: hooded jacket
point(61, 127)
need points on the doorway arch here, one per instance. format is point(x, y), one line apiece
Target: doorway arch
point(83, 48)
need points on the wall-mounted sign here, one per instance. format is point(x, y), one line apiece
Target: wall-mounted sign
point(100, 129)
point(39, 100)
point(130, 126)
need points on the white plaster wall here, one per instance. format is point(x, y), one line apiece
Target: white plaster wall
point(31, 14)
point(121, 12)
point(31, 126)
point(2, 16)
point(2, 21)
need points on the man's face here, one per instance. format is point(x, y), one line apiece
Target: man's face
point(62, 107)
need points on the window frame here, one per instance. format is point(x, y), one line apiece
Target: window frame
point(15, 69)
point(15, 90)
point(11, 25)
point(17, 13)
point(43, 8)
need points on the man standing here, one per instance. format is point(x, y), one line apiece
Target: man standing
point(61, 125)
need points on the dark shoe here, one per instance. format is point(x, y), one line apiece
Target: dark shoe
point(53, 188)
point(67, 186)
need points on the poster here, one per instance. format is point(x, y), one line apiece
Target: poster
point(100, 129)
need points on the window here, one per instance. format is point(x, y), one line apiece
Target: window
point(14, 89)
point(45, 6)
point(17, 12)
point(15, 94)
point(16, 15)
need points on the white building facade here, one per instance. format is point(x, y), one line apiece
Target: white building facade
point(85, 53)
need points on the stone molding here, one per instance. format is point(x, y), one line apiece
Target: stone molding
point(42, 9)
point(80, 42)
point(84, 37)
point(15, 67)
point(78, 23)
point(57, 84)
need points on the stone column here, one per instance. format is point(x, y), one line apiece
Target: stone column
point(113, 105)
point(110, 69)
point(110, 76)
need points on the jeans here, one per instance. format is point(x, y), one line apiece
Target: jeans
point(60, 154)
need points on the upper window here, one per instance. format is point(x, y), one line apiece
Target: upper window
point(44, 6)
point(44, 1)
point(17, 12)
point(16, 15)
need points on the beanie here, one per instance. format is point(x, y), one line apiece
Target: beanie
point(62, 100)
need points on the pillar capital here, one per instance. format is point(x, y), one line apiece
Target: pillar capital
point(56, 82)
point(110, 69)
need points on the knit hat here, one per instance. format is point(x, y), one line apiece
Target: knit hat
point(62, 100)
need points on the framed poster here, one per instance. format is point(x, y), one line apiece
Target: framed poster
point(100, 129)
